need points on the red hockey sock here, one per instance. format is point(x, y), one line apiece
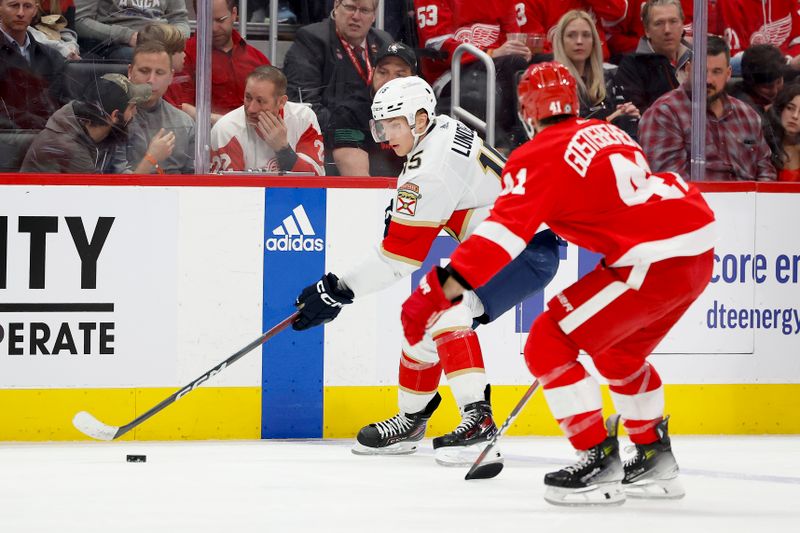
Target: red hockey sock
point(459, 351)
point(417, 377)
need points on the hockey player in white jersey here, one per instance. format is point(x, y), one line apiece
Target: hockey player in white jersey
point(449, 182)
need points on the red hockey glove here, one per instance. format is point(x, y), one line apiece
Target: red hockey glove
point(425, 305)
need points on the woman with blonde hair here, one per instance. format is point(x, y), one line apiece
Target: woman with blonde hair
point(577, 46)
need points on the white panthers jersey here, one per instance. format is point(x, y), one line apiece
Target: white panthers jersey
point(449, 182)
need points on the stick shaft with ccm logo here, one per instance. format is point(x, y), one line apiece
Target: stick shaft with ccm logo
point(90, 426)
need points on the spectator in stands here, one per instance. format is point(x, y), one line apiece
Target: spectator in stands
point(232, 59)
point(31, 75)
point(54, 26)
point(443, 25)
point(85, 136)
point(735, 145)
point(109, 28)
point(332, 61)
point(354, 150)
point(784, 118)
point(576, 45)
point(152, 65)
point(749, 22)
point(763, 68)
point(542, 16)
point(624, 36)
point(174, 42)
point(268, 133)
point(660, 62)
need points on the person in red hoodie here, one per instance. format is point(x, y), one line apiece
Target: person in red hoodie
point(232, 59)
point(542, 16)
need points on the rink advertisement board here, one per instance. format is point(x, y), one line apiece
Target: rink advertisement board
point(87, 287)
point(115, 292)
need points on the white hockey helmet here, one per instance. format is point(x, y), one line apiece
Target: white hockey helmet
point(402, 97)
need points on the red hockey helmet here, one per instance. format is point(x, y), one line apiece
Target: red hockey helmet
point(546, 90)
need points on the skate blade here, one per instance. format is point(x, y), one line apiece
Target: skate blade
point(600, 495)
point(400, 448)
point(655, 489)
point(465, 455)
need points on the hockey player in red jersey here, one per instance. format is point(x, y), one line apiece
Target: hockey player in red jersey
point(449, 183)
point(590, 183)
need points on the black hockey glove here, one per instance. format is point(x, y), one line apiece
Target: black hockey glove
point(321, 302)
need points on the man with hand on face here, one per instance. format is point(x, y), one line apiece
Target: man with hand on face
point(84, 136)
point(268, 133)
point(152, 65)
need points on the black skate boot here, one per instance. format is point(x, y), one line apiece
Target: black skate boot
point(594, 480)
point(398, 435)
point(653, 472)
point(467, 441)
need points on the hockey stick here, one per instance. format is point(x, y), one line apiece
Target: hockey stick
point(92, 427)
point(490, 470)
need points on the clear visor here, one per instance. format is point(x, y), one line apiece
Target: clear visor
point(378, 131)
point(388, 128)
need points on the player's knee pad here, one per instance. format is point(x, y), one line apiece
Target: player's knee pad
point(548, 348)
point(424, 351)
point(626, 373)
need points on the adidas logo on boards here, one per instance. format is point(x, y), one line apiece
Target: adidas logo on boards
point(295, 234)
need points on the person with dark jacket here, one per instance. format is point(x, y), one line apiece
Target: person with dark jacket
point(88, 136)
point(31, 74)
point(332, 61)
point(659, 63)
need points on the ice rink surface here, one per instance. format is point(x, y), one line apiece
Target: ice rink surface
point(732, 484)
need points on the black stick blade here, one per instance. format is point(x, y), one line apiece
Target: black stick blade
point(484, 471)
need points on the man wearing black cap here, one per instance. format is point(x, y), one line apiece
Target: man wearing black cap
point(87, 135)
point(354, 151)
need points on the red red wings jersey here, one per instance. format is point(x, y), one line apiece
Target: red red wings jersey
point(542, 16)
point(445, 24)
point(590, 183)
point(747, 22)
point(235, 145)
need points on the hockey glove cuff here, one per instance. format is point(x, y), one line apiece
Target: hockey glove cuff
point(321, 302)
point(425, 305)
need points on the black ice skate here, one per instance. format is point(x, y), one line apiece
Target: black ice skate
point(596, 479)
point(653, 472)
point(398, 435)
point(467, 441)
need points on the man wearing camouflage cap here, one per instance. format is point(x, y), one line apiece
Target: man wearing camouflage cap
point(83, 136)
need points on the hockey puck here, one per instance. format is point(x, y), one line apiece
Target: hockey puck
point(136, 458)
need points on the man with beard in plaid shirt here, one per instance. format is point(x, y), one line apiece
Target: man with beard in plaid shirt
point(735, 145)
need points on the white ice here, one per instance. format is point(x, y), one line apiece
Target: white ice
point(732, 484)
